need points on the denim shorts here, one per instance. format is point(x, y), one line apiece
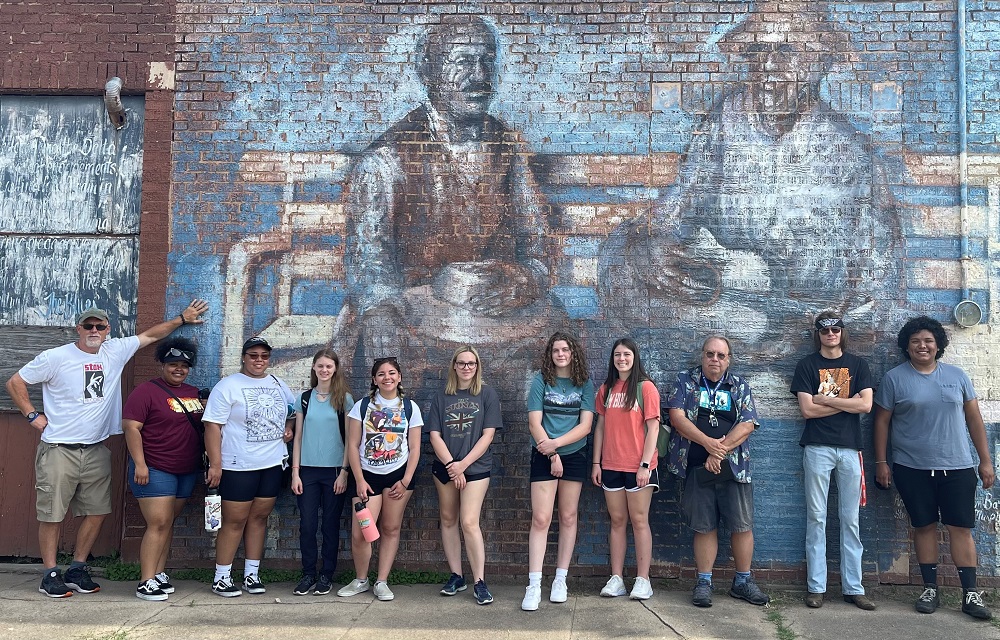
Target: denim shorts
point(161, 483)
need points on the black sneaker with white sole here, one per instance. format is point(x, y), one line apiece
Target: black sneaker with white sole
point(226, 588)
point(252, 584)
point(53, 586)
point(79, 580)
point(304, 586)
point(164, 581)
point(150, 590)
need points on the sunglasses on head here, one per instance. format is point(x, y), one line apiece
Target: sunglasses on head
point(177, 353)
point(390, 359)
point(90, 326)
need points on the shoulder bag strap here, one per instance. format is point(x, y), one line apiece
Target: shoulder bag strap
point(181, 403)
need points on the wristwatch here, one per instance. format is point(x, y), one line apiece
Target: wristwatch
point(31, 416)
point(644, 465)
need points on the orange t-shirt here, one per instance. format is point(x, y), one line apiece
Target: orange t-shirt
point(625, 429)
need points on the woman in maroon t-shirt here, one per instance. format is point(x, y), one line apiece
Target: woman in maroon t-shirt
point(162, 424)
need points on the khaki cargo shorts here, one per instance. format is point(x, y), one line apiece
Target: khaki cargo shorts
point(77, 476)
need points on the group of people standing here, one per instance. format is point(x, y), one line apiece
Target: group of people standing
point(368, 450)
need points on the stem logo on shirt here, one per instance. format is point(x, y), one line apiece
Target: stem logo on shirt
point(93, 382)
point(266, 413)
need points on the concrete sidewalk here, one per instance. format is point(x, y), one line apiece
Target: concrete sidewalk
point(419, 612)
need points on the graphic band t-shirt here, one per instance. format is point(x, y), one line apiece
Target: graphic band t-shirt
point(625, 428)
point(721, 397)
point(81, 392)
point(461, 419)
point(384, 429)
point(252, 412)
point(842, 377)
point(169, 442)
point(560, 405)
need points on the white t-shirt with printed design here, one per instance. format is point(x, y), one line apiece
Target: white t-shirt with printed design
point(81, 392)
point(384, 433)
point(252, 412)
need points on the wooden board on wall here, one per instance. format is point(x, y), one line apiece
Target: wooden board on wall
point(25, 343)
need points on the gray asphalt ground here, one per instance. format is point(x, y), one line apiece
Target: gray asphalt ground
point(419, 612)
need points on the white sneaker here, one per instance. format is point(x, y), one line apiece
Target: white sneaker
point(354, 587)
point(641, 589)
point(532, 596)
point(383, 592)
point(614, 588)
point(558, 591)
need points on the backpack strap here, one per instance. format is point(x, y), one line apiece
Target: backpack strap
point(305, 398)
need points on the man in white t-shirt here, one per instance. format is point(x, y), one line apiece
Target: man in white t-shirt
point(81, 394)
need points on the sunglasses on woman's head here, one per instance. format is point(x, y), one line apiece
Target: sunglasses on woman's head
point(177, 353)
point(390, 359)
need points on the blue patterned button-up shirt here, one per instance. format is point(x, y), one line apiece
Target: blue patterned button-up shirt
point(684, 395)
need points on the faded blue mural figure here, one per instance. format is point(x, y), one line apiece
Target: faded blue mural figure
point(780, 209)
point(446, 227)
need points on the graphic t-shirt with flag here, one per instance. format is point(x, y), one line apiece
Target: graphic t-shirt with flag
point(461, 418)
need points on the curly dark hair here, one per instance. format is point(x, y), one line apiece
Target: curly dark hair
point(578, 364)
point(183, 344)
point(922, 323)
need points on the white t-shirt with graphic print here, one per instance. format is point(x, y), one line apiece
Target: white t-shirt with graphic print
point(385, 444)
point(252, 412)
point(81, 392)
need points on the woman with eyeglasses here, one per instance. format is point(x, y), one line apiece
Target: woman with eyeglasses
point(560, 414)
point(463, 419)
point(320, 469)
point(628, 422)
point(163, 432)
point(383, 447)
point(248, 420)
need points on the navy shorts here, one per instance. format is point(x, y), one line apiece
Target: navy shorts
point(929, 496)
point(244, 486)
point(162, 484)
point(576, 467)
point(441, 473)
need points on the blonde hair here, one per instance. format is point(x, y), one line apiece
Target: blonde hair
point(451, 387)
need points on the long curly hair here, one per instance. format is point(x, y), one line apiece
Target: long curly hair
point(578, 364)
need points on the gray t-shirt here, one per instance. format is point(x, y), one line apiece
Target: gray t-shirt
point(461, 419)
point(928, 416)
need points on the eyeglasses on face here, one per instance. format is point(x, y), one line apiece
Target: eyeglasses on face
point(829, 330)
point(90, 326)
point(716, 355)
point(259, 356)
point(177, 353)
point(466, 365)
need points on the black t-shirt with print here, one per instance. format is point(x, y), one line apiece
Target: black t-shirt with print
point(841, 377)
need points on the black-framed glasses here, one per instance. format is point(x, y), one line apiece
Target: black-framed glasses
point(90, 326)
point(829, 330)
point(178, 353)
point(466, 365)
point(259, 356)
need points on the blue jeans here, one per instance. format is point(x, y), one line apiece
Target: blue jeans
point(819, 463)
point(317, 492)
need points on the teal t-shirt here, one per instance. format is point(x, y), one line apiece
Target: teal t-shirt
point(560, 405)
point(322, 445)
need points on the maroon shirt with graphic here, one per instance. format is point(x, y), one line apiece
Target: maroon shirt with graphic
point(169, 442)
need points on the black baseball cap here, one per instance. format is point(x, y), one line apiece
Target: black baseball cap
point(255, 341)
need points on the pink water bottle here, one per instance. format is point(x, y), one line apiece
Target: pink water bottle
point(366, 521)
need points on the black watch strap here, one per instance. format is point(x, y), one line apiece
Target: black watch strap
point(644, 465)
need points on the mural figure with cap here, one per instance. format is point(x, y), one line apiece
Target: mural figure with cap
point(446, 227)
point(82, 397)
point(780, 209)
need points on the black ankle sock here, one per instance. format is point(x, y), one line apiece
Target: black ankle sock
point(929, 573)
point(968, 577)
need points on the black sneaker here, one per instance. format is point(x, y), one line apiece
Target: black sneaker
point(455, 584)
point(79, 580)
point(164, 581)
point(226, 588)
point(53, 586)
point(483, 595)
point(252, 584)
point(929, 600)
point(304, 586)
point(324, 586)
point(150, 590)
point(750, 592)
point(972, 604)
point(702, 596)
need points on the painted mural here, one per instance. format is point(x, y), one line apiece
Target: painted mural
point(398, 187)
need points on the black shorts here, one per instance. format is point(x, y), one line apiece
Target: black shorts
point(379, 482)
point(576, 467)
point(441, 473)
point(929, 496)
point(244, 486)
point(618, 480)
